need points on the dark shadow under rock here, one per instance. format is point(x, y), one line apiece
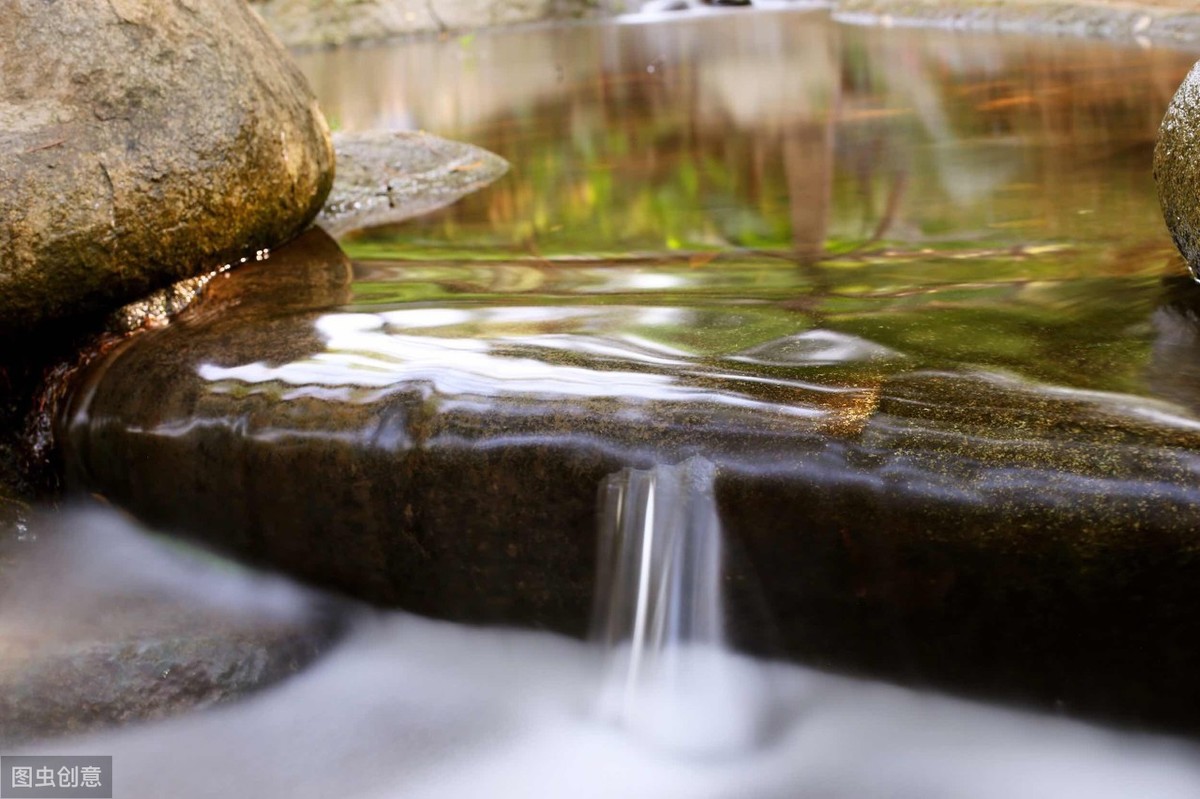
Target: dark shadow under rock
point(13, 508)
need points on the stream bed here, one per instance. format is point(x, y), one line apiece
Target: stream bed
point(906, 294)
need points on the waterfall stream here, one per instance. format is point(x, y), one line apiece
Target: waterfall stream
point(659, 614)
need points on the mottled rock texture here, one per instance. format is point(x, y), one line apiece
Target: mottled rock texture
point(141, 142)
point(1177, 168)
point(386, 177)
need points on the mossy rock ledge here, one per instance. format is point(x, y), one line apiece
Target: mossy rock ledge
point(141, 142)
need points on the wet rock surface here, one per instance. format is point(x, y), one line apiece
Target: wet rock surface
point(1177, 169)
point(433, 437)
point(146, 142)
point(93, 636)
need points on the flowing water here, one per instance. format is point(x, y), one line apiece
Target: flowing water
point(660, 618)
point(872, 343)
point(409, 707)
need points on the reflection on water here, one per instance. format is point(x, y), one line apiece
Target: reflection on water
point(365, 351)
point(776, 131)
point(983, 200)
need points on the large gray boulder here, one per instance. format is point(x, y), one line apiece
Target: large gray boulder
point(141, 142)
point(1177, 168)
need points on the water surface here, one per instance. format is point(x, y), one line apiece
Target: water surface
point(978, 199)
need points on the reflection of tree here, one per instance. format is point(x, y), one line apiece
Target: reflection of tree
point(776, 133)
point(1008, 138)
point(655, 138)
point(807, 165)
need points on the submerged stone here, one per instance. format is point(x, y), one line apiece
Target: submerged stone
point(142, 142)
point(434, 437)
point(135, 632)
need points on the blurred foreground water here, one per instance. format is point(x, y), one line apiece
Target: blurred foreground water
point(408, 707)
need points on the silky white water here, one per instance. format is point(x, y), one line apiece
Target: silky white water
point(407, 707)
point(658, 616)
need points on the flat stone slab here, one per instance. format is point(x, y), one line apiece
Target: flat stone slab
point(433, 437)
point(387, 177)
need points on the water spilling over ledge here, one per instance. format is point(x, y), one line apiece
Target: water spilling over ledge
point(908, 302)
point(660, 616)
point(442, 455)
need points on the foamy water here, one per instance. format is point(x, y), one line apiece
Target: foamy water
point(407, 707)
point(413, 708)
